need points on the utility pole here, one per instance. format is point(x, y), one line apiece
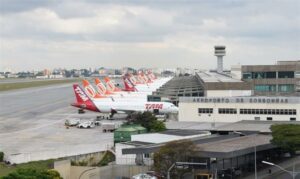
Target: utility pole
point(255, 162)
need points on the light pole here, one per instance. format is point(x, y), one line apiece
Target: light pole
point(169, 170)
point(293, 173)
point(255, 165)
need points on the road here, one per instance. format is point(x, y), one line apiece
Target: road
point(32, 125)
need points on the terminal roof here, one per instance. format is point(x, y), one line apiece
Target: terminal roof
point(247, 125)
point(208, 77)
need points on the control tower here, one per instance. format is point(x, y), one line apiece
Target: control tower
point(220, 52)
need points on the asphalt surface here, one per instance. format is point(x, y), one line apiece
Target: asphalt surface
point(32, 125)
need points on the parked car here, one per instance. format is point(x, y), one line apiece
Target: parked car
point(72, 122)
point(156, 174)
point(86, 124)
point(143, 176)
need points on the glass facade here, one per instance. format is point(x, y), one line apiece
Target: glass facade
point(286, 88)
point(247, 75)
point(259, 75)
point(270, 75)
point(286, 74)
point(297, 74)
point(265, 88)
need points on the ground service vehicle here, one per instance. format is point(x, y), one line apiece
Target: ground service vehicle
point(143, 176)
point(86, 124)
point(108, 127)
point(72, 122)
point(204, 176)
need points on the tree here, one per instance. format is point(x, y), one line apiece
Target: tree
point(1, 156)
point(149, 121)
point(175, 151)
point(31, 173)
point(286, 136)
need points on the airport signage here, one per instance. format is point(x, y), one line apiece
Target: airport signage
point(264, 100)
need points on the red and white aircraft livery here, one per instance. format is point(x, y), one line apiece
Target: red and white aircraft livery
point(139, 84)
point(83, 101)
point(101, 93)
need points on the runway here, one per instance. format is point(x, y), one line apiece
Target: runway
point(32, 125)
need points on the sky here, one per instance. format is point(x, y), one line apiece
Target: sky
point(39, 34)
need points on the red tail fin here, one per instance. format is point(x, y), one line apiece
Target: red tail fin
point(128, 85)
point(133, 80)
point(110, 85)
point(82, 99)
point(141, 79)
point(100, 87)
point(90, 90)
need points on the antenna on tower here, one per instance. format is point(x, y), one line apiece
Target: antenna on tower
point(220, 52)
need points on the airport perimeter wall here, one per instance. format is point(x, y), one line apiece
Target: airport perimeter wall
point(73, 154)
point(112, 171)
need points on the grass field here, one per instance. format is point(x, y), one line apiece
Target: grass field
point(45, 164)
point(20, 85)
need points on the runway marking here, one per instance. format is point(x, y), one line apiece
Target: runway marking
point(30, 129)
point(27, 109)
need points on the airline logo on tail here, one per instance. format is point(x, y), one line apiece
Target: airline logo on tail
point(133, 80)
point(90, 91)
point(127, 81)
point(81, 94)
point(101, 88)
point(83, 100)
point(109, 84)
point(141, 79)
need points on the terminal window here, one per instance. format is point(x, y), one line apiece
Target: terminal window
point(269, 111)
point(286, 74)
point(205, 110)
point(286, 88)
point(227, 111)
point(259, 75)
point(265, 88)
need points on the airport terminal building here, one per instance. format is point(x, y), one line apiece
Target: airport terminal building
point(233, 109)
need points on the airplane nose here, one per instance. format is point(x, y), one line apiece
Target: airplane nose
point(175, 110)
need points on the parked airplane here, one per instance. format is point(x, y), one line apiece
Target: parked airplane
point(84, 102)
point(102, 92)
point(135, 84)
point(123, 93)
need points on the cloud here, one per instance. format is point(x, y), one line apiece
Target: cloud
point(147, 32)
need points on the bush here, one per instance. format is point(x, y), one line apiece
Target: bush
point(286, 136)
point(107, 158)
point(149, 121)
point(1, 156)
point(31, 173)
